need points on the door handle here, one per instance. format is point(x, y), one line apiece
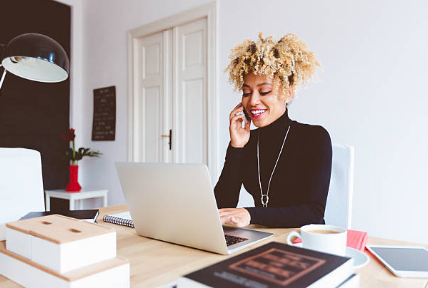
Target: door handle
point(170, 138)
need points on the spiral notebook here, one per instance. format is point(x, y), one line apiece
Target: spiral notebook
point(120, 219)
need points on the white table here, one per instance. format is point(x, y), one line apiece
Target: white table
point(72, 197)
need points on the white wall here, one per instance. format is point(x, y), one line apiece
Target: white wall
point(371, 93)
point(76, 64)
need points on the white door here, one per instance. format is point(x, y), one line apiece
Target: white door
point(170, 111)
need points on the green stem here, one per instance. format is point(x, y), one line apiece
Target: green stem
point(73, 162)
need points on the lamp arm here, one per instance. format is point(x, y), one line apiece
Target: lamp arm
point(2, 77)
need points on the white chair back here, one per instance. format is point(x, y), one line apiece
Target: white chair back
point(21, 185)
point(339, 201)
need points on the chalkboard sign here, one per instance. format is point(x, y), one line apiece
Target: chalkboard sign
point(104, 123)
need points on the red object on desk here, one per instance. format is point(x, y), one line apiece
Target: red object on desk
point(355, 239)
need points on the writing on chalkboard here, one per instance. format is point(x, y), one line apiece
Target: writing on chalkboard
point(104, 122)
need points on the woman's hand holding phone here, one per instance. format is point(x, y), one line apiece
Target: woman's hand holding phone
point(239, 135)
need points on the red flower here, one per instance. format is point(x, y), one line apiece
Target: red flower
point(75, 155)
point(69, 135)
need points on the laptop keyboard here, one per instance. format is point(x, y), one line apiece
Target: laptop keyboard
point(230, 240)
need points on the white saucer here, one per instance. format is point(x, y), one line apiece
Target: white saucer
point(360, 259)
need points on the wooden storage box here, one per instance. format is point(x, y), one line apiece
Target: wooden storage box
point(61, 243)
point(110, 273)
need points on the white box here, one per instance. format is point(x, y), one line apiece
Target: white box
point(112, 273)
point(20, 243)
point(61, 243)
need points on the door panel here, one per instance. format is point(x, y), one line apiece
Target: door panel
point(192, 92)
point(149, 108)
point(193, 53)
point(151, 60)
point(194, 128)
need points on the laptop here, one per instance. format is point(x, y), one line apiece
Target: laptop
point(175, 203)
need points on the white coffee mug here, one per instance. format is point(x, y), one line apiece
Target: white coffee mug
point(321, 237)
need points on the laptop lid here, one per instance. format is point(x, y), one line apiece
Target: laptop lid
point(173, 203)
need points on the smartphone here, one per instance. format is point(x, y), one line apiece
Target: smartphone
point(246, 115)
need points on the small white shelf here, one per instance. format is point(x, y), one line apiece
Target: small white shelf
point(72, 197)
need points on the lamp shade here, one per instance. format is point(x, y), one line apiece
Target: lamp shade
point(36, 57)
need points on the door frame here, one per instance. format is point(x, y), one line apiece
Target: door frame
point(208, 11)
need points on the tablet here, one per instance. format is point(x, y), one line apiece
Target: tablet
point(403, 261)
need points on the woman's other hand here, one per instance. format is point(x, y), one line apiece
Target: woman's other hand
point(239, 135)
point(239, 217)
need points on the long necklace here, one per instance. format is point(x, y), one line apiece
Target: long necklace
point(265, 197)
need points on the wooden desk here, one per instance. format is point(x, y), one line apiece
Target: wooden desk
point(156, 263)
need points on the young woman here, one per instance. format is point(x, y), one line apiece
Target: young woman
point(285, 165)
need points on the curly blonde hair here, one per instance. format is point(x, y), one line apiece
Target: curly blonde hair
point(288, 61)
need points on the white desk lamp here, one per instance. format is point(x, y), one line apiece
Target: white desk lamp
point(35, 57)
point(38, 58)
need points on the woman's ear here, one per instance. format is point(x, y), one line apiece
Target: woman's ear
point(289, 94)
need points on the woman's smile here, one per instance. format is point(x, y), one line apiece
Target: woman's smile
point(257, 113)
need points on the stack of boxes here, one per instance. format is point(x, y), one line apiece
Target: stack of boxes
point(57, 251)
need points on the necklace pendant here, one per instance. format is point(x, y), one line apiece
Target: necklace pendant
point(265, 200)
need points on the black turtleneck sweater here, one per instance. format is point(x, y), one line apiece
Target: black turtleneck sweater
point(299, 185)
